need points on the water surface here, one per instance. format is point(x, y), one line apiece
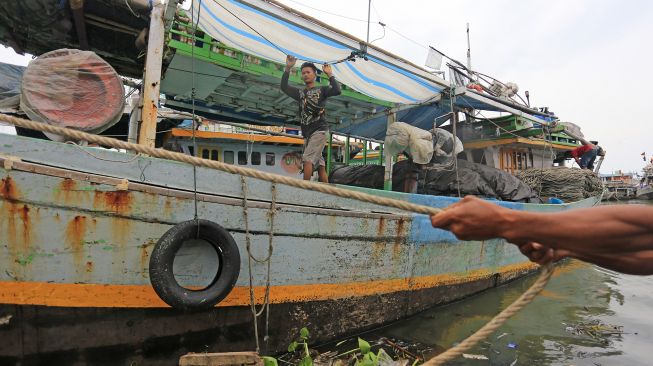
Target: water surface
point(556, 328)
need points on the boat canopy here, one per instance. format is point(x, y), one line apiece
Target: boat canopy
point(269, 30)
point(265, 30)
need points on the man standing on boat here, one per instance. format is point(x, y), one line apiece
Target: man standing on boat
point(312, 102)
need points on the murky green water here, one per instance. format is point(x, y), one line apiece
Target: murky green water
point(556, 329)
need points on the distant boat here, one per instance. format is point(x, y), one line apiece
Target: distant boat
point(645, 191)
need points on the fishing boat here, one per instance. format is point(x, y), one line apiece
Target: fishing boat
point(645, 190)
point(619, 185)
point(79, 224)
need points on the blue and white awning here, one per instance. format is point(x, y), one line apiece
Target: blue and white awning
point(263, 29)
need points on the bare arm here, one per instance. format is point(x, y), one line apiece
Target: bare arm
point(334, 86)
point(605, 229)
point(619, 237)
point(289, 90)
point(638, 262)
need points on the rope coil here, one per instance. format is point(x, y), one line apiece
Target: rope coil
point(448, 355)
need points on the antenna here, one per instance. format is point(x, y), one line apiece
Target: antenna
point(369, 7)
point(469, 51)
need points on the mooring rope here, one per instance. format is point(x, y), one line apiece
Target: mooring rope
point(265, 307)
point(448, 355)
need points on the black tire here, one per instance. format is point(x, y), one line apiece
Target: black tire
point(163, 255)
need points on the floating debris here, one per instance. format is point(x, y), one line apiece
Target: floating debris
point(474, 357)
point(5, 319)
point(595, 329)
point(385, 352)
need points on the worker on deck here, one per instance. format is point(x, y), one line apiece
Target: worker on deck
point(586, 155)
point(312, 102)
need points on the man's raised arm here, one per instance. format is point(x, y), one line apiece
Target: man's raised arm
point(334, 86)
point(289, 90)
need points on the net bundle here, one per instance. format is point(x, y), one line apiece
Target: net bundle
point(568, 184)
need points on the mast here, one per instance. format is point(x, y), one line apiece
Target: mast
point(469, 51)
point(152, 77)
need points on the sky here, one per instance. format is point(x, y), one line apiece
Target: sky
point(588, 61)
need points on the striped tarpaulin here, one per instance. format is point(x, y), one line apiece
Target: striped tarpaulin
point(273, 36)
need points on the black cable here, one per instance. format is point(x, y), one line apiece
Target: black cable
point(192, 50)
point(351, 57)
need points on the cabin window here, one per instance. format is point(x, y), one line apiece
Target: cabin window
point(228, 156)
point(269, 158)
point(205, 153)
point(214, 154)
point(191, 150)
point(242, 158)
point(256, 158)
point(514, 160)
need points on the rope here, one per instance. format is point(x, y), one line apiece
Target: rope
point(229, 168)
point(496, 322)
point(271, 214)
point(303, 184)
point(103, 159)
point(250, 257)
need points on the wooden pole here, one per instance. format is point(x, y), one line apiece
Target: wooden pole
point(152, 77)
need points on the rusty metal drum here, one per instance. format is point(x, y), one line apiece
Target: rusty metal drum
point(74, 89)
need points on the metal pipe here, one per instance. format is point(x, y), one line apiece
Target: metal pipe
point(134, 120)
point(380, 154)
point(328, 162)
point(77, 8)
point(387, 175)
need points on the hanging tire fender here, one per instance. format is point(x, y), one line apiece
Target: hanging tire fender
point(162, 258)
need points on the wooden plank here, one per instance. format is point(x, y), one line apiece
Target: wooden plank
point(212, 198)
point(220, 359)
point(152, 78)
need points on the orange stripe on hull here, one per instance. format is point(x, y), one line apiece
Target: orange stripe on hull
point(143, 296)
